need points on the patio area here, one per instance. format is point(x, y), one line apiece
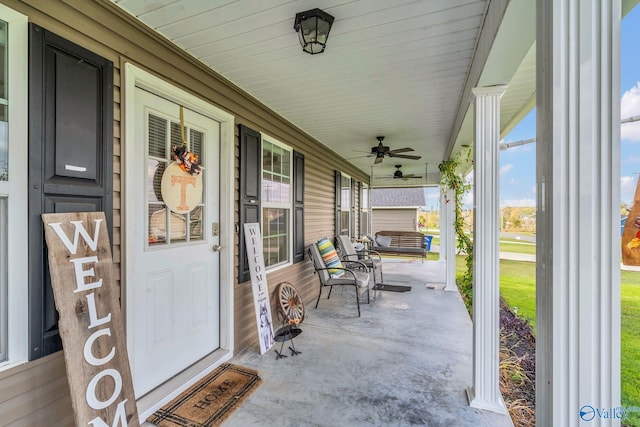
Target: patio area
point(406, 361)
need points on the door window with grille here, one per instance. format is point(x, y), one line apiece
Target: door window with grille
point(165, 227)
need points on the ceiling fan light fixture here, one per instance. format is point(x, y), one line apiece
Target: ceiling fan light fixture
point(398, 174)
point(382, 150)
point(313, 28)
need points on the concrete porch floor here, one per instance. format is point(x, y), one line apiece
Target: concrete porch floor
point(406, 362)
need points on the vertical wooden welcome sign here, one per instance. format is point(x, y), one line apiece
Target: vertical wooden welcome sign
point(91, 324)
point(261, 304)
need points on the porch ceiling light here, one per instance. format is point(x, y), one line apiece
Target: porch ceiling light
point(313, 28)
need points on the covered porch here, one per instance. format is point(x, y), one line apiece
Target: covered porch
point(446, 81)
point(406, 361)
point(441, 80)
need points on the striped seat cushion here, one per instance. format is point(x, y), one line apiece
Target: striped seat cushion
point(330, 257)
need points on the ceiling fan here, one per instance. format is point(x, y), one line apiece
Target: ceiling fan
point(398, 174)
point(380, 151)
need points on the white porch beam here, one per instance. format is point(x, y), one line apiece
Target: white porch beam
point(485, 391)
point(493, 20)
point(450, 254)
point(578, 240)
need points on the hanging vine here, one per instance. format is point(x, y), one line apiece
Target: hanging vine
point(452, 179)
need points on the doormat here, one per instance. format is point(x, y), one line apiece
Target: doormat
point(392, 288)
point(211, 400)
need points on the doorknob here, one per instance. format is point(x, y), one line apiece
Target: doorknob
point(217, 248)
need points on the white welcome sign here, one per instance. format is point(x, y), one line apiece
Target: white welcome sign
point(262, 306)
point(91, 324)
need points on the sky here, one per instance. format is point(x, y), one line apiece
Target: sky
point(517, 165)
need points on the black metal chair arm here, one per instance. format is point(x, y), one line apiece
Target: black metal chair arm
point(360, 264)
point(347, 270)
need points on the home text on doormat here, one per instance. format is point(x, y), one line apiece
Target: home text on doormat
point(211, 400)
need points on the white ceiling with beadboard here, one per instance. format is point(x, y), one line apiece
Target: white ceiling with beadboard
point(396, 68)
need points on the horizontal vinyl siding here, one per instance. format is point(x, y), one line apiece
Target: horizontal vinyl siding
point(36, 394)
point(106, 30)
point(393, 220)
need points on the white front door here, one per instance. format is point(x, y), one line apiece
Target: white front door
point(174, 280)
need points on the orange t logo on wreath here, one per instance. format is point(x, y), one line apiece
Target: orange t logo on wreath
point(181, 191)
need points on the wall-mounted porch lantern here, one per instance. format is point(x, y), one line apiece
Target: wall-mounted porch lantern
point(313, 28)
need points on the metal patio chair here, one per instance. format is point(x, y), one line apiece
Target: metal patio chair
point(355, 274)
point(371, 259)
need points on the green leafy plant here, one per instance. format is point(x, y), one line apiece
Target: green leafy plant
point(452, 179)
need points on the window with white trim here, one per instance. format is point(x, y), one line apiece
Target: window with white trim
point(276, 203)
point(365, 219)
point(345, 206)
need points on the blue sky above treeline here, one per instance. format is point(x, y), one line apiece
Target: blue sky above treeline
point(518, 164)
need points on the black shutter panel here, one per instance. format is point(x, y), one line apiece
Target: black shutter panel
point(338, 194)
point(298, 207)
point(250, 191)
point(70, 158)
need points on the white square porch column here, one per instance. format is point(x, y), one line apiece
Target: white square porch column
point(485, 391)
point(449, 204)
point(578, 194)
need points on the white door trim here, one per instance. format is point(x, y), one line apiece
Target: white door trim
point(17, 191)
point(136, 77)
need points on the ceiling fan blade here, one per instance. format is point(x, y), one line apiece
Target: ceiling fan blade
point(410, 175)
point(358, 157)
point(405, 156)
point(378, 160)
point(401, 150)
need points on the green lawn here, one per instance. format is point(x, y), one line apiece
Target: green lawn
point(518, 247)
point(517, 286)
point(630, 337)
point(506, 244)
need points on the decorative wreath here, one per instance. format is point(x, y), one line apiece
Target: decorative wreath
point(187, 160)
